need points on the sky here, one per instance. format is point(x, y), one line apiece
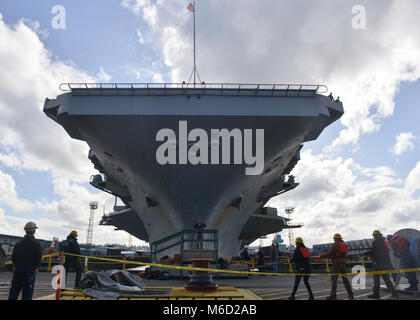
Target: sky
point(361, 174)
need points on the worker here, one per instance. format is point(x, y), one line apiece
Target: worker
point(245, 253)
point(199, 225)
point(401, 249)
point(2, 259)
point(381, 261)
point(300, 258)
point(337, 254)
point(261, 258)
point(274, 256)
point(70, 245)
point(26, 258)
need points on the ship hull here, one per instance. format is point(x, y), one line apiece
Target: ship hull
point(122, 134)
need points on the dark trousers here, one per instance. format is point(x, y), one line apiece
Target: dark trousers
point(385, 277)
point(340, 268)
point(198, 240)
point(23, 280)
point(75, 265)
point(408, 262)
point(260, 265)
point(298, 277)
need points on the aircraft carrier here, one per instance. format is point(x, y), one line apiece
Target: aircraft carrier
point(123, 123)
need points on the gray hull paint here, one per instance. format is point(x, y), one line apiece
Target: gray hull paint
point(121, 132)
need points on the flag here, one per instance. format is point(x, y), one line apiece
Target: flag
point(191, 7)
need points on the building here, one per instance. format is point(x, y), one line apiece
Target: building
point(8, 242)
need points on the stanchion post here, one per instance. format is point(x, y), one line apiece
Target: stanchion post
point(86, 264)
point(49, 264)
point(327, 269)
point(58, 291)
point(62, 258)
point(290, 268)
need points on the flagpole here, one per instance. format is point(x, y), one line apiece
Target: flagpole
point(194, 44)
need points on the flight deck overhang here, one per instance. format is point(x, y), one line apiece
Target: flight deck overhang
point(119, 122)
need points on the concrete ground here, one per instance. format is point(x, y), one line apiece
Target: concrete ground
point(267, 287)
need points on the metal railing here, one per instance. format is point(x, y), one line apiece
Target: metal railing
point(185, 239)
point(206, 89)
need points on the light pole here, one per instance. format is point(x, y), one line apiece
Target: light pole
point(289, 211)
point(93, 205)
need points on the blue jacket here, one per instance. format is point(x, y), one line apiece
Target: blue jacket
point(27, 253)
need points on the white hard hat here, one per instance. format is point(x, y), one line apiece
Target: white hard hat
point(30, 226)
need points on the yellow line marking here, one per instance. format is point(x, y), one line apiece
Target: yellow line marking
point(273, 294)
point(329, 295)
point(362, 295)
point(269, 290)
point(302, 294)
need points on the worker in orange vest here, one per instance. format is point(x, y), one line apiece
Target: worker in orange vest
point(381, 261)
point(300, 258)
point(337, 254)
point(401, 249)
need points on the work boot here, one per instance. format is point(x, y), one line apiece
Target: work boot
point(292, 297)
point(332, 298)
point(374, 296)
point(350, 297)
point(395, 295)
point(311, 297)
point(411, 289)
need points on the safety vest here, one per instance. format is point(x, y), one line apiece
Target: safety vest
point(401, 242)
point(343, 248)
point(305, 252)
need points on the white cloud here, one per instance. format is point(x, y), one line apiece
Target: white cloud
point(11, 160)
point(287, 42)
point(340, 195)
point(32, 141)
point(146, 74)
point(29, 74)
point(140, 37)
point(144, 7)
point(9, 195)
point(404, 143)
point(412, 181)
point(102, 76)
point(36, 26)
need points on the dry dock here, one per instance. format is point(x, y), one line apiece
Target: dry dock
point(254, 288)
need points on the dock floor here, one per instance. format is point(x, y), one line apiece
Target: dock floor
point(256, 287)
